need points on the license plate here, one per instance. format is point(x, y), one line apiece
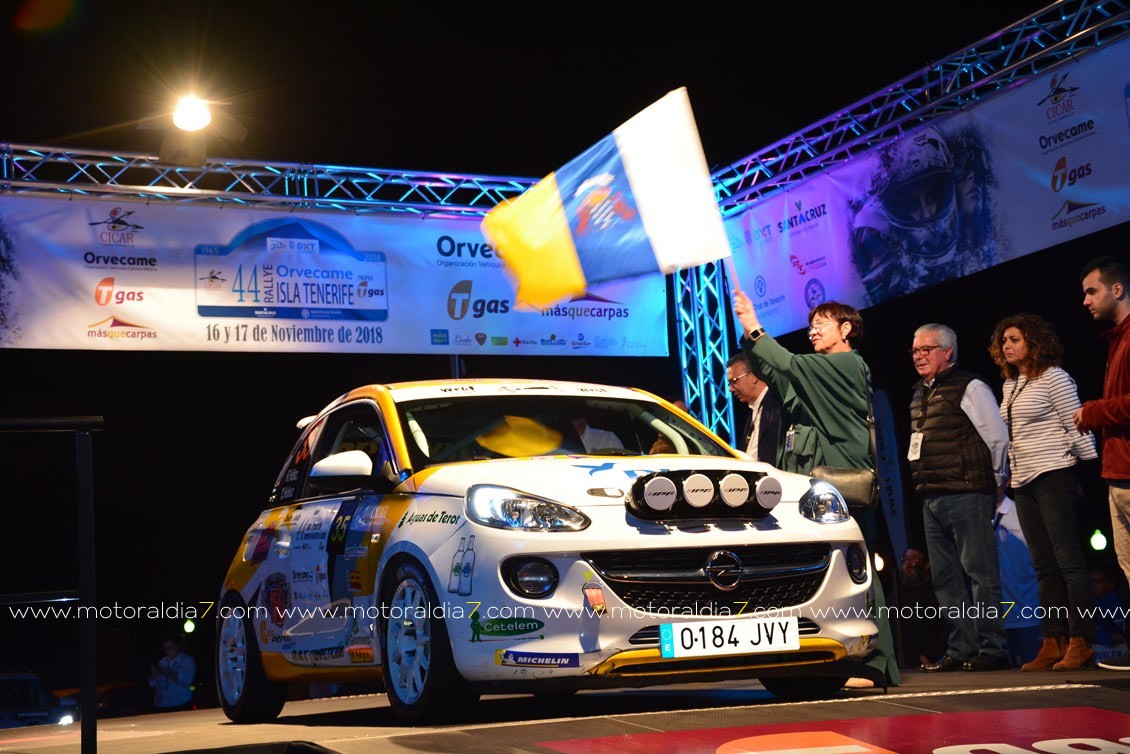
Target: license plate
point(702, 638)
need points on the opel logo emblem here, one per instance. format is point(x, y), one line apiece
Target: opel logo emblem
point(724, 569)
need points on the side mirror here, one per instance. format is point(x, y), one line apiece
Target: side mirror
point(346, 471)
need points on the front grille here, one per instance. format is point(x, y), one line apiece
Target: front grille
point(675, 581)
point(649, 635)
point(728, 662)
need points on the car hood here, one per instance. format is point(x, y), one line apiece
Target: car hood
point(587, 480)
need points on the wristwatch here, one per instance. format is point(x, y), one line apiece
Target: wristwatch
point(755, 334)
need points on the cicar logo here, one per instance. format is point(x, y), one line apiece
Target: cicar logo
point(460, 302)
point(1062, 176)
point(104, 293)
point(117, 229)
point(1058, 100)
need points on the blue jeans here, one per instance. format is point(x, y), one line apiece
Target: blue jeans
point(1048, 513)
point(963, 551)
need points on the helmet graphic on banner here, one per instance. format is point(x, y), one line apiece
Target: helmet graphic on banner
point(919, 197)
point(873, 252)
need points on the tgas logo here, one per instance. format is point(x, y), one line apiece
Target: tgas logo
point(104, 293)
point(460, 302)
point(1061, 176)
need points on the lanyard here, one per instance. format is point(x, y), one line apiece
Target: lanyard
point(1017, 389)
point(927, 393)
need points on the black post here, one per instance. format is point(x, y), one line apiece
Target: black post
point(88, 675)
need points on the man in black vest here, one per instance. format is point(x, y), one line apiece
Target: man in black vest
point(759, 438)
point(959, 463)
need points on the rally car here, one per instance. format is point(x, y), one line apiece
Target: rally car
point(460, 538)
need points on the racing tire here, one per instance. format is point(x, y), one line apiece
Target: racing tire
point(803, 689)
point(417, 665)
point(245, 693)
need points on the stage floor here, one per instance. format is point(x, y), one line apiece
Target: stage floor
point(1006, 711)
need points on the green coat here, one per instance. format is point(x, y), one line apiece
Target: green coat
point(824, 401)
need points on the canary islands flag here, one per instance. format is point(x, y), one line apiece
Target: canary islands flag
point(639, 201)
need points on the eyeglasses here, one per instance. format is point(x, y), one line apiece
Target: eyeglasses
point(818, 327)
point(921, 350)
point(732, 380)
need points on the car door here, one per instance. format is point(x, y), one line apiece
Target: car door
point(333, 568)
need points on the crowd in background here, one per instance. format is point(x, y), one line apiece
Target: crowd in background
point(998, 469)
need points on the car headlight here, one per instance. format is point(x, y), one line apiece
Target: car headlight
point(824, 504)
point(504, 508)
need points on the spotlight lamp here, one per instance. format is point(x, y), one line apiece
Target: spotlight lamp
point(191, 113)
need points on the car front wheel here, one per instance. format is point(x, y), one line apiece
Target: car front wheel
point(419, 671)
point(245, 693)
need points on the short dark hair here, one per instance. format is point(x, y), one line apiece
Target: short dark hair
point(1111, 270)
point(841, 313)
point(737, 358)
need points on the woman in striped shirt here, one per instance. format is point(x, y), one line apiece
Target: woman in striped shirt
point(1038, 402)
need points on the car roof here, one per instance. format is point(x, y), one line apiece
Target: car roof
point(397, 392)
point(402, 391)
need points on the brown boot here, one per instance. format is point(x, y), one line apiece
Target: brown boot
point(1051, 652)
point(1079, 655)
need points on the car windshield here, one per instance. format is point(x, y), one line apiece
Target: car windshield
point(468, 428)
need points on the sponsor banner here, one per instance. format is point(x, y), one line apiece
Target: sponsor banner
point(1044, 163)
point(89, 274)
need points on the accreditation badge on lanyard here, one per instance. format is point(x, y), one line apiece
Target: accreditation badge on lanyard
point(914, 452)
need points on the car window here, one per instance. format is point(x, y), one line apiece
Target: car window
point(292, 478)
point(467, 428)
point(357, 426)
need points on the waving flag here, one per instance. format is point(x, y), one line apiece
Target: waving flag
point(638, 201)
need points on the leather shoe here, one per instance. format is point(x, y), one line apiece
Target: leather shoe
point(985, 662)
point(944, 665)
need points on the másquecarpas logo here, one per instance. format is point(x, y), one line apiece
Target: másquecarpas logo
point(116, 328)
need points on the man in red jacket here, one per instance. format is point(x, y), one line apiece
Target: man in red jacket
point(1106, 294)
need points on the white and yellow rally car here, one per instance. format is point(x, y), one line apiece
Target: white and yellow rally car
point(493, 536)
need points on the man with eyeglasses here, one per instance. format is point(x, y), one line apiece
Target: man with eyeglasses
point(959, 465)
point(759, 438)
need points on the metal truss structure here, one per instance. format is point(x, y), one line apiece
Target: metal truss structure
point(50, 171)
point(1051, 37)
point(1033, 46)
